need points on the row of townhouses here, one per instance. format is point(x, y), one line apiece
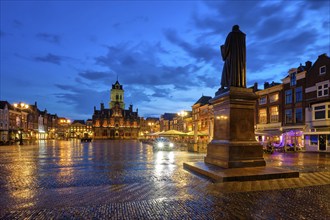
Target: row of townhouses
point(20, 121)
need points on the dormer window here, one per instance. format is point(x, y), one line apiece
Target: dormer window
point(322, 70)
point(293, 79)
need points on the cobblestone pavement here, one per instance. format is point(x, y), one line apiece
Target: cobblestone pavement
point(127, 180)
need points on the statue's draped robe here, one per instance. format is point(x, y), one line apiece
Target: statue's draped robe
point(234, 55)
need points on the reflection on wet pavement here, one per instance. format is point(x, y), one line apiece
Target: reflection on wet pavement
point(61, 179)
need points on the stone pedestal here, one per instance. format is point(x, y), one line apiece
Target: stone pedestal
point(234, 144)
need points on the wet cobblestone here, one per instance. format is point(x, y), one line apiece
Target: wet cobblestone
point(127, 180)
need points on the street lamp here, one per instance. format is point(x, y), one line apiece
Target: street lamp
point(21, 106)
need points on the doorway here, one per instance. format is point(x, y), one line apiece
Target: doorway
point(322, 142)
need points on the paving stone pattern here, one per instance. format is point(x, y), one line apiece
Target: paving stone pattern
point(128, 180)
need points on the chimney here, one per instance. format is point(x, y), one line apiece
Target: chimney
point(266, 85)
point(102, 106)
point(308, 65)
point(255, 87)
point(130, 108)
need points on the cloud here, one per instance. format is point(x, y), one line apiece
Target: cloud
point(202, 53)
point(50, 58)
point(50, 38)
point(94, 75)
point(76, 96)
point(317, 4)
point(161, 92)
point(141, 64)
point(271, 35)
point(134, 21)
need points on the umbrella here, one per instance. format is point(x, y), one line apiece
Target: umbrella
point(172, 133)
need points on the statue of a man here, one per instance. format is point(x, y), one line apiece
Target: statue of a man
point(233, 52)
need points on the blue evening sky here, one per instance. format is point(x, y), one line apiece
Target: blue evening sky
point(66, 54)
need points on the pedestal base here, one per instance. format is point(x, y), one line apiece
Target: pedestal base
point(218, 174)
point(235, 154)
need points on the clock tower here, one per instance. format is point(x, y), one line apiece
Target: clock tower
point(117, 96)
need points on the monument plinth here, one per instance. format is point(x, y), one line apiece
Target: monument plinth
point(234, 144)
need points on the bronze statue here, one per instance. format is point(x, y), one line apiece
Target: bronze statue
point(233, 52)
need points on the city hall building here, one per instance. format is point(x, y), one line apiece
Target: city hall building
point(116, 122)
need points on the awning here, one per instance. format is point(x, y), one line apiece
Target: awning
point(172, 133)
point(269, 133)
point(156, 133)
point(316, 132)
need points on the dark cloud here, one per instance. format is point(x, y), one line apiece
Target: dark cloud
point(161, 93)
point(50, 58)
point(202, 52)
point(272, 29)
point(210, 82)
point(133, 21)
point(317, 4)
point(81, 99)
point(94, 75)
point(50, 38)
point(140, 64)
point(136, 95)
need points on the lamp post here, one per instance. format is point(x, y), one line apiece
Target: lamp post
point(21, 106)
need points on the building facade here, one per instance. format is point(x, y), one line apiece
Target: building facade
point(300, 118)
point(4, 121)
point(268, 127)
point(116, 122)
point(293, 117)
point(317, 108)
point(203, 122)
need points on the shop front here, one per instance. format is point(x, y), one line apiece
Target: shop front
point(317, 141)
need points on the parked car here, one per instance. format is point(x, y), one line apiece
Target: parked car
point(163, 144)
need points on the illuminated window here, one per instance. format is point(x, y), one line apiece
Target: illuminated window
point(298, 96)
point(263, 100)
point(263, 116)
point(322, 70)
point(288, 116)
point(288, 96)
point(298, 115)
point(273, 97)
point(273, 114)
